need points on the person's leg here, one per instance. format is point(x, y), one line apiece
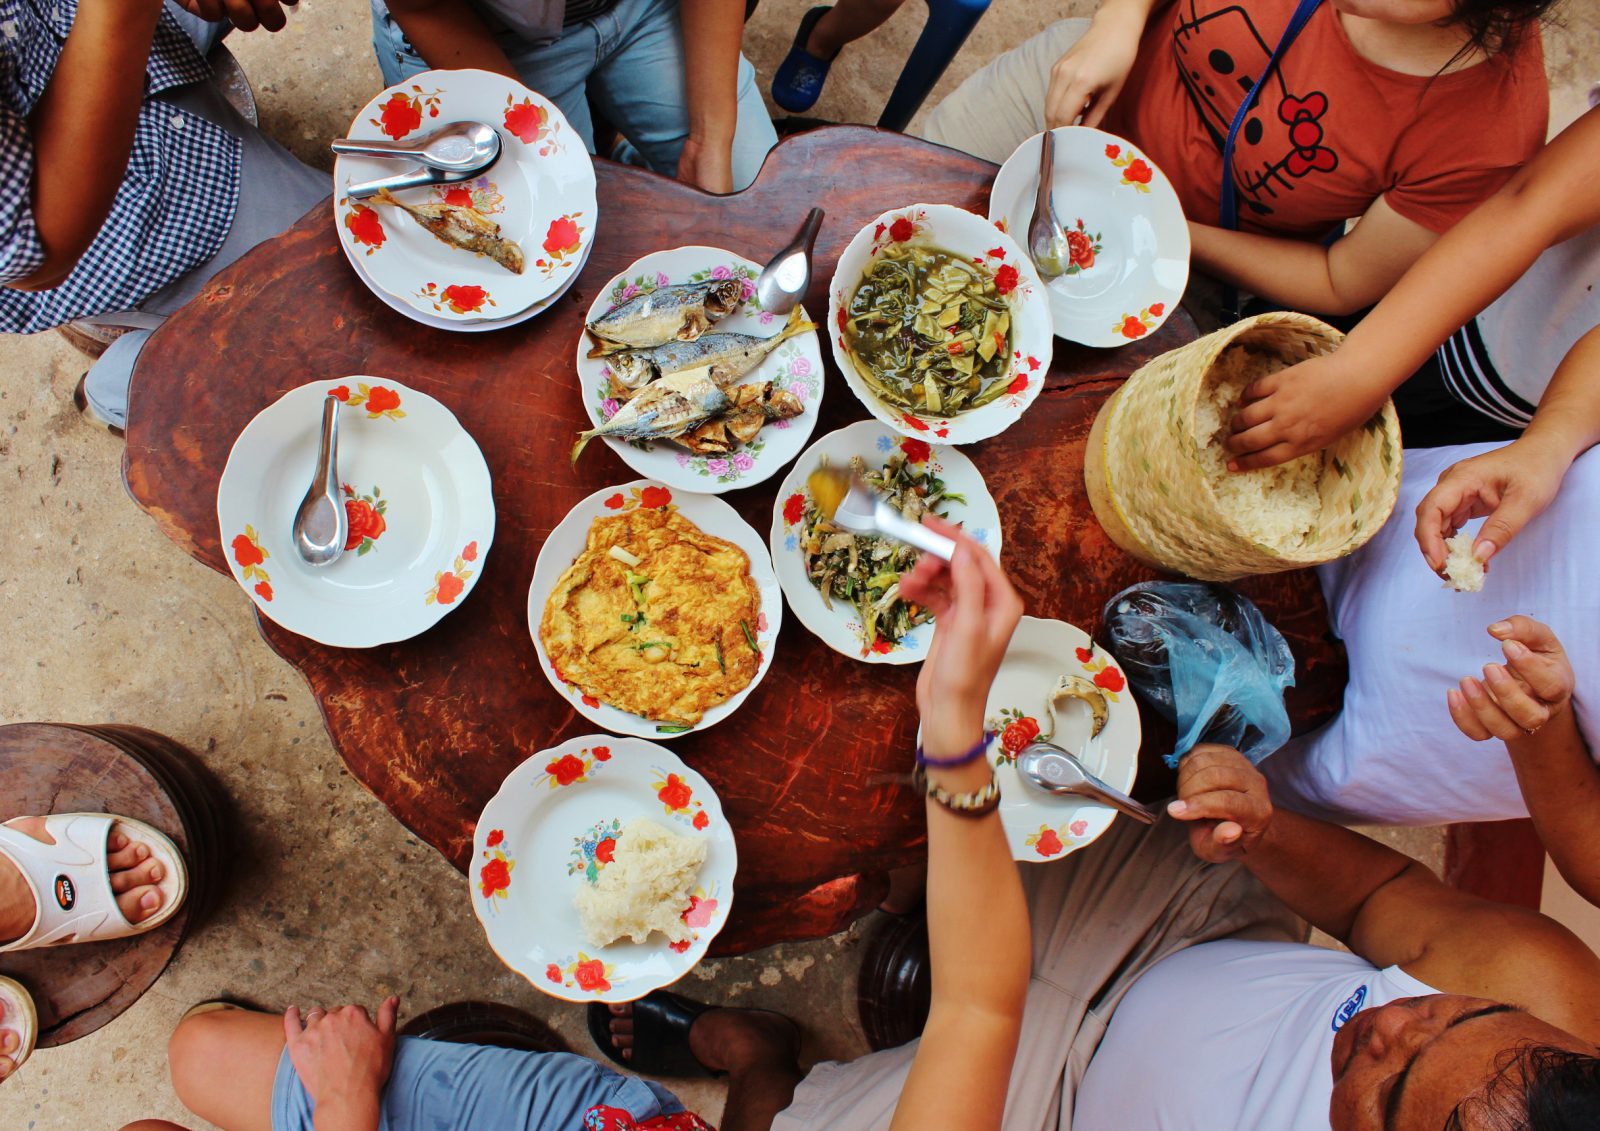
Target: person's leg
point(758, 1050)
point(397, 59)
point(639, 87)
point(134, 876)
point(846, 22)
point(224, 1065)
point(153, 1125)
point(1002, 105)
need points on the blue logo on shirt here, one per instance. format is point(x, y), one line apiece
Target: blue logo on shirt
point(1351, 1007)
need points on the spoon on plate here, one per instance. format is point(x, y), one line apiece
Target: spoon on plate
point(459, 147)
point(321, 525)
point(1047, 240)
point(1054, 770)
point(784, 280)
point(846, 501)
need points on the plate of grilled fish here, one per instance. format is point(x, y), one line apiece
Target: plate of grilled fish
point(845, 587)
point(689, 380)
point(656, 612)
point(476, 251)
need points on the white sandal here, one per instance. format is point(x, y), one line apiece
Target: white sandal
point(20, 1017)
point(71, 880)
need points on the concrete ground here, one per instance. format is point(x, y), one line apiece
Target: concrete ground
point(102, 619)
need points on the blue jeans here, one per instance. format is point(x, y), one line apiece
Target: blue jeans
point(630, 61)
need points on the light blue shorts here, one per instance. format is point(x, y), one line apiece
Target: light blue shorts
point(437, 1086)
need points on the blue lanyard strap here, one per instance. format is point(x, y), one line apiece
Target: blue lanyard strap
point(1297, 22)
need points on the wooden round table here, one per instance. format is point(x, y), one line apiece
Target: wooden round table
point(806, 769)
point(129, 772)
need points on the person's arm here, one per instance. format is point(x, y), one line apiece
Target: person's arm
point(343, 1059)
point(712, 31)
point(1515, 483)
point(449, 34)
point(1308, 406)
point(82, 131)
point(1303, 275)
point(1085, 82)
point(1386, 907)
point(1527, 704)
point(978, 935)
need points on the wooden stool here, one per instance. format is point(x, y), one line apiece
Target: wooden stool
point(134, 773)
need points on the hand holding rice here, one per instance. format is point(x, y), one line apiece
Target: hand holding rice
point(1462, 570)
point(644, 888)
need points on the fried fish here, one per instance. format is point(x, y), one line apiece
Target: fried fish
point(673, 313)
point(466, 228)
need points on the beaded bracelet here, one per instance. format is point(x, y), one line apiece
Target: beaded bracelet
point(979, 804)
point(972, 755)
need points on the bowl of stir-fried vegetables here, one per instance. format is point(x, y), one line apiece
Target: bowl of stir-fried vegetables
point(940, 324)
point(844, 587)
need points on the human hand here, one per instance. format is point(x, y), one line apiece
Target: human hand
point(247, 15)
point(976, 611)
point(1518, 697)
point(1226, 799)
point(1511, 485)
point(1087, 79)
point(1297, 410)
point(707, 164)
point(342, 1056)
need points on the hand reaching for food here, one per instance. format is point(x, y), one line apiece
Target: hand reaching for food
point(1087, 79)
point(1518, 697)
point(1511, 485)
point(246, 15)
point(1225, 799)
point(976, 610)
point(1297, 410)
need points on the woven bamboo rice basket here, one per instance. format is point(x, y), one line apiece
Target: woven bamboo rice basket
point(1151, 494)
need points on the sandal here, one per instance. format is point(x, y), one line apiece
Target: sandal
point(71, 882)
point(18, 1015)
point(661, 1023)
point(797, 83)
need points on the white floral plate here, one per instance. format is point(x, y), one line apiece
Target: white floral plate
point(541, 192)
point(795, 364)
point(955, 230)
point(357, 261)
point(711, 515)
point(1130, 242)
point(838, 627)
point(417, 493)
point(1039, 825)
point(552, 827)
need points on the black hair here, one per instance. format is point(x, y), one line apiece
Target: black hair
point(1537, 1088)
point(1498, 25)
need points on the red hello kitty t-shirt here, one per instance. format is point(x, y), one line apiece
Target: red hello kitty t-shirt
point(1333, 131)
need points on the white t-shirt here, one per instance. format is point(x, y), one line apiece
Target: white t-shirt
point(1393, 755)
point(1231, 1034)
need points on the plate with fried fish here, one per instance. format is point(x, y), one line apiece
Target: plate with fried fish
point(689, 380)
point(482, 250)
point(655, 611)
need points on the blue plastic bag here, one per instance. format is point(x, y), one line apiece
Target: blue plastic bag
point(1208, 660)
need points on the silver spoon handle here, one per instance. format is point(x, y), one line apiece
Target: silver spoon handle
point(1047, 171)
point(328, 451)
point(902, 529)
point(369, 147)
point(414, 179)
point(808, 230)
point(1118, 800)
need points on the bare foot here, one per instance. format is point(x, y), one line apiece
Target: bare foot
point(133, 878)
point(724, 1040)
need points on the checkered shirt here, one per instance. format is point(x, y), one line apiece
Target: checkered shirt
point(177, 198)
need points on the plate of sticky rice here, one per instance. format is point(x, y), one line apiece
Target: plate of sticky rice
point(602, 869)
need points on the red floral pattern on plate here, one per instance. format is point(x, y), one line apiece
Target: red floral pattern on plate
point(562, 241)
point(401, 113)
point(459, 298)
point(378, 400)
point(1015, 729)
point(249, 554)
point(648, 497)
point(1105, 676)
point(530, 123)
point(1138, 325)
point(365, 227)
point(494, 874)
point(574, 769)
point(591, 975)
point(1136, 171)
point(451, 583)
point(1082, 248)
point(365, 514)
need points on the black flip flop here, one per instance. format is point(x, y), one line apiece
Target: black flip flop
point(661, 1022)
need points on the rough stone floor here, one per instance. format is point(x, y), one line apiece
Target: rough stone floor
point(102, 619)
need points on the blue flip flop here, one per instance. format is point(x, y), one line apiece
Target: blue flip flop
point(798, 82)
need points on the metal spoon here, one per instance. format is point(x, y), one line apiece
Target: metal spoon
point(459, 147)
point(1054, 770)
point(787, 275)
point(1047, 240)
point(321, 525)
point(846, 501)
